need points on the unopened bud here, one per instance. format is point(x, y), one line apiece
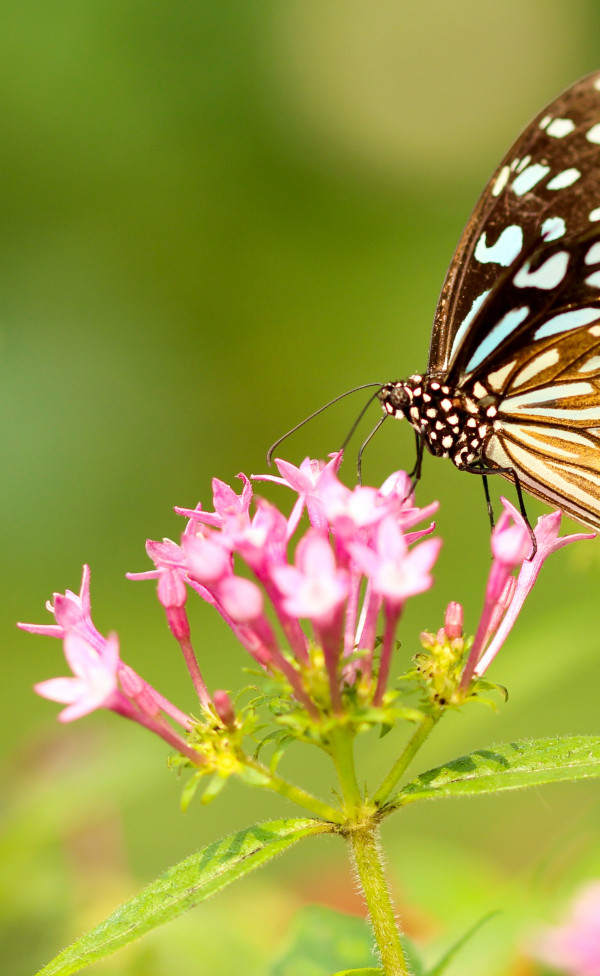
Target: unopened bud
point(453, 621)
point(224, 708)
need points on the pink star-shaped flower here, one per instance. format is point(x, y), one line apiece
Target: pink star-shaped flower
point(94, 681)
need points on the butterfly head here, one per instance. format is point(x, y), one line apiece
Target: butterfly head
point(450, 423)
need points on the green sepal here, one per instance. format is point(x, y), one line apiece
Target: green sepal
point(189, 791)
point(214, 786)
point(253, 777)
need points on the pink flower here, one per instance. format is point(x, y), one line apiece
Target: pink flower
point(304, 480)
point(97, 667)
point(228, 505)
point(505, 596)
point(315, 587)
point(72, 613)
point(574, 947)
point(94, 681)
point(396, 572)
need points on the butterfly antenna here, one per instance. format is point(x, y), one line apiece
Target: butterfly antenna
point(360, 417)
point(326, 406)
point(364, 444)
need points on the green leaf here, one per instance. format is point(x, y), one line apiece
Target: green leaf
point(447, 958)
point(182, 887)
point(509, 766)
point(323, 941)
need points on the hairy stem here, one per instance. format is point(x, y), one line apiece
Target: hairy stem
point(341, 751)
point(297, 795)
point(413, 745)
point(369, 866)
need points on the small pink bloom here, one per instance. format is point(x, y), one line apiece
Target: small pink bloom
point(548, 541)
point(396, 572)
point(315, 587)
point(228, 506)
point(241, 599)
point(304, 480)
point(94, 681)
point(206, 560)
point(574, 947)
point(511, 543)
point(72, 613)
point(169, 561)
point(263, 542)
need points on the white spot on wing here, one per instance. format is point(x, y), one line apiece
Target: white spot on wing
point(595, 330)
point(564, 179)
point(559, 128)
point(591, 365)
point(597, 83)
point(547, 359)
point(552, 228)
point(497, 380)
point(594, 214)
point(507, 324)
point(501, 181)
point(478, 302)
point(593, 255)
point(526, 180)
point(544, 122)
point(524, 162)
point(504, 251)
point(593, 279)
point(568, 320)
point(549, 275)
point(593, 134)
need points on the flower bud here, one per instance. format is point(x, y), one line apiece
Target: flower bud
point(224, 708)
point(453, 621)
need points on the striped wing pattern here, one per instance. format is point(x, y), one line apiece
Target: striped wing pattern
point(519, 313)
point(548, 184)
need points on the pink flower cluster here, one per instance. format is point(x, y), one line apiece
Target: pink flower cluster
point(354, 535)
point(354, 567)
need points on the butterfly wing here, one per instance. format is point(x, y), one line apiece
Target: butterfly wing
point(545, 188)
point(535, 347)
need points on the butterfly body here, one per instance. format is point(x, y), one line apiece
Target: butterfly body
point(451, 423)
point(513, 380)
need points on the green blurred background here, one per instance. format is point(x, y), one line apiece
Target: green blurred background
point(216, 216)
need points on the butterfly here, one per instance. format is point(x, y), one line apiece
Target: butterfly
point(512, 385)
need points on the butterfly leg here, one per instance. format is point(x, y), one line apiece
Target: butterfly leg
point(488, 500)
point(512, 474)
point(415, 474)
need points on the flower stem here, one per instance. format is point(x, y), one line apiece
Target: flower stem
point(297, 795)
point(369, 867)
point(341, 751)
point(427, 723)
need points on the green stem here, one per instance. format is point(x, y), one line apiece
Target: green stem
point(297, 795)
point(369, 866)
point(342, 752)
point(413, 745)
